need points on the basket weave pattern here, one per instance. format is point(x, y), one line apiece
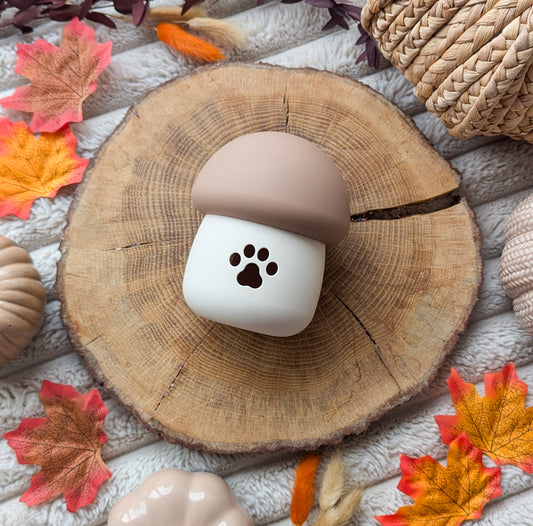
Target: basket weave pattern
point(471, 61)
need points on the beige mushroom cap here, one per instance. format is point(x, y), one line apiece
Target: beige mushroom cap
point(276, 179)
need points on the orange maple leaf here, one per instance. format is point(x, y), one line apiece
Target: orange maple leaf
point(445, 496)
point(66, 443)
point(61, 78)
point(32, 167)
point(497, 423)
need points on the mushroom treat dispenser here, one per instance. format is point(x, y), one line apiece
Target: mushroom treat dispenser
point(272, 202)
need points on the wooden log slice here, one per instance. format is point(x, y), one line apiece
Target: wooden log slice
point(397, 291)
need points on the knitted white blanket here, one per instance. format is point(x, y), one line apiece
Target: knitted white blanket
point(497, 174)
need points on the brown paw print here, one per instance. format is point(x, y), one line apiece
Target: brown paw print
point(250, 276)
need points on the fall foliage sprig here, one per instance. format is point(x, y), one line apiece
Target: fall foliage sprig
point(173, 22)
point(26, 11)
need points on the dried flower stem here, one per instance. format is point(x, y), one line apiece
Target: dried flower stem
point(302, 494)
point(173, 14)
point(187, 44)
point(224, 33)
point(337, 503)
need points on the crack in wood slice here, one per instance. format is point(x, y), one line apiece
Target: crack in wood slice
point(378, 350)
point(132, 245)
point(425, 207)
point(181, 369)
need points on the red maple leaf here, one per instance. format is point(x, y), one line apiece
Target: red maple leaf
point(445, 496)
point(61, 78)
point(66, 444)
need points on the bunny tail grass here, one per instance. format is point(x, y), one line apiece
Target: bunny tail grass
point(187, 44)
point(336, 502)
point(302, 494)
point(173, 14)
point(224, 33)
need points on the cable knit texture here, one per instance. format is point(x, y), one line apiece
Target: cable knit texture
point(497, 175)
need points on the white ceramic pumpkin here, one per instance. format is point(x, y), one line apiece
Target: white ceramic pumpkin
point(22, 300)
point(516, 263)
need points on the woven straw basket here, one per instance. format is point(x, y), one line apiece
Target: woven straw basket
point(471, 61)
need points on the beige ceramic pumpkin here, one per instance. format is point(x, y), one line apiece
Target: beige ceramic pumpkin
point(172, 497)
point(516, 263)
point(22, 300)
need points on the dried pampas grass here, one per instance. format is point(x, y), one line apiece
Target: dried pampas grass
point(173, 14)
point(337, 502)
point(224, 33)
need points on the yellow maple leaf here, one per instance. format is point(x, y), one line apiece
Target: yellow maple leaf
point(445, 496)
point(33, 167)
point(498, 423)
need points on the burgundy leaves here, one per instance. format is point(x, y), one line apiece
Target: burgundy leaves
point(138, 9)
point(340, 14)
point(370, 53)
point(63, 11)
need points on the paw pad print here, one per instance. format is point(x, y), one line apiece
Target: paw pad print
point(250, 276)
